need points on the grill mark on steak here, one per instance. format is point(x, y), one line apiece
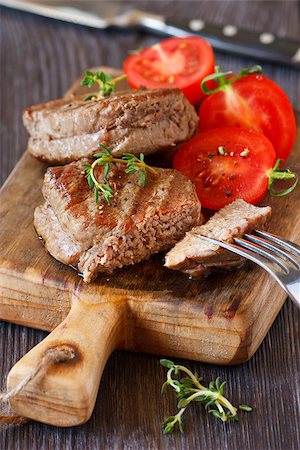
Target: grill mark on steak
point(74, 193)
point(147, 197)
point(101, 237)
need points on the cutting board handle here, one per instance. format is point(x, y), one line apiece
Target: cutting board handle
point(64, 392)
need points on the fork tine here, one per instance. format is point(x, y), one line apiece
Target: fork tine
point(266, 244)
point(245, 253)
point(288, 281)
point(281, 241)
point(257, 249)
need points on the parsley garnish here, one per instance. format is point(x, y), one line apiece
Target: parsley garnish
point(105, 158)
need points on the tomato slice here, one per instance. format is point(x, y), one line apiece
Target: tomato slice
point(253, 102)
point(226, 164)
point(174, 62)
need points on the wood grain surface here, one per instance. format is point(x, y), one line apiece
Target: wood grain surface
point(129, 407)
point(220, 319)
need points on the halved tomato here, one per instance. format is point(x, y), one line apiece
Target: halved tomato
point(174, 62)
point(254, 102)
point(230, 163)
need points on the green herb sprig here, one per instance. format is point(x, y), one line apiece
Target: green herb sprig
point(106, 84)
point(106, 158)
point(189, 389)
point(225, 79)
point(278, 173)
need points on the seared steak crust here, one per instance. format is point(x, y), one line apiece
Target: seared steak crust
point(98, 237)
point(195, 256)
point(130, 121)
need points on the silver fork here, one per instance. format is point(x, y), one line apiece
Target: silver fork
point(278, 256)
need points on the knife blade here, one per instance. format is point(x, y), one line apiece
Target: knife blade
point(228, 38)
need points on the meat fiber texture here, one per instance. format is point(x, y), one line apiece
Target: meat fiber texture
point(98, 237)
point(131, 121)
point(196, 256)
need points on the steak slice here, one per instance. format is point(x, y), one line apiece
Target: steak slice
point(196, 256)
point(98, 237)
point(131, 121)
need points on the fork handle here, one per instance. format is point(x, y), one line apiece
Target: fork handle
point(293, 291)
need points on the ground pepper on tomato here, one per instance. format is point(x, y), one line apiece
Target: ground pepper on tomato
point(249, 100)
point(230, 163)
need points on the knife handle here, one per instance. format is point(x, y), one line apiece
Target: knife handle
point(64, 393)
point(229, 38)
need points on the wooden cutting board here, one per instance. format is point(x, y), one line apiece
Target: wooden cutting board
point(221, 319)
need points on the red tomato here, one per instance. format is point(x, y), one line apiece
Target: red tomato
point(253, 102)
point(220, 179)
point(174, 62)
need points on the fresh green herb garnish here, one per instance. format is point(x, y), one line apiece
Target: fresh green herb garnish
point(245, 408)
point(281, 174)
point(105, 82)
point(189, 389)
point(223, 79)
point(105, 158)
point(135, 164)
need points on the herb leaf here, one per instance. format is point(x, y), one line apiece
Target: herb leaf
point(189, 389)
point(107, 192)
point(105, 158)
point(96, 194)
point(245, 408)
point(167, 363)
point(143, 178)
point(106, 84)
point(106, 170)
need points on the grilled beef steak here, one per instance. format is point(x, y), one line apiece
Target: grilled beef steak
point(98, 237)
point(195, 256)
point(131, 121)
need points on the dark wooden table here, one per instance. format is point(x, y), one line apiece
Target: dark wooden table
point(39, 59)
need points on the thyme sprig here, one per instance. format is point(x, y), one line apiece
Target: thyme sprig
point(225, 79)
point(277, 173)
point(105, 158)
point(106, 84)
point(189, 389)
